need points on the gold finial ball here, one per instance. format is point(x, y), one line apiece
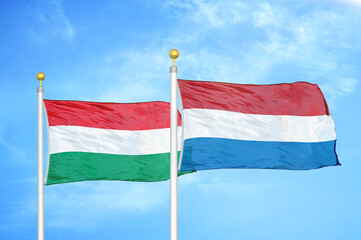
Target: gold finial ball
point(40, 76)
point(173, 53)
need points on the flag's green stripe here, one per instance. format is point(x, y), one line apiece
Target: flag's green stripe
point(81, 166)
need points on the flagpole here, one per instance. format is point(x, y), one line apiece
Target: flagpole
point(40, 76)
point(173, 148)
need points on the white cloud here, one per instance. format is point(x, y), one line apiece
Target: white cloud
point(134, 75)
point(52, 22)
point(211, 13)
point(353, 2)
point(267, 16)
point(13, 151)
point(97, 201)
point(85, 204)
point(338, 87)
point(82, 206)
point(348, 85)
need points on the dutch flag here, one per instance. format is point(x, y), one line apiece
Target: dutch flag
point(280, 126)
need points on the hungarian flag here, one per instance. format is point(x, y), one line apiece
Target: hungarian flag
point(108, 141)
point(281, 126)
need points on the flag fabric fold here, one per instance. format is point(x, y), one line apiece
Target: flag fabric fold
point(281, 126)
point(108, 141)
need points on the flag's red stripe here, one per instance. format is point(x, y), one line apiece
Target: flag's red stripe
point(120, 116)
point(299, 99)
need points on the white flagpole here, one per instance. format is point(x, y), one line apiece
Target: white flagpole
point(173, 148)
point(40, 76)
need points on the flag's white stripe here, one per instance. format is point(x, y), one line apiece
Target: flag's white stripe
point(255, 127)
point(85, 139)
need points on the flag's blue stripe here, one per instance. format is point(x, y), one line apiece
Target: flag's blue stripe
point(214, 153)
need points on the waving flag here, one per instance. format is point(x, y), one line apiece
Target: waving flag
point(281, 126)
point(108, 141)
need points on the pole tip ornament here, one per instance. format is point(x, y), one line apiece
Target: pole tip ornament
point(173, 54)
point(40, 76)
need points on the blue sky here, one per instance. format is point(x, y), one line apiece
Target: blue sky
point(118, 51)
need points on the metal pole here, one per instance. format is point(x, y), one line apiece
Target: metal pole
point(40, 90)
point(173, 148)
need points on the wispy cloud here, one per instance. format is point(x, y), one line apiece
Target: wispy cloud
point(267, 16)
point(96, 201)
point(339, 87)
point(82, 206)
point(135, 75)
point(13, 151)
point(356, 3)
point(52, 21)
point(210, 13)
